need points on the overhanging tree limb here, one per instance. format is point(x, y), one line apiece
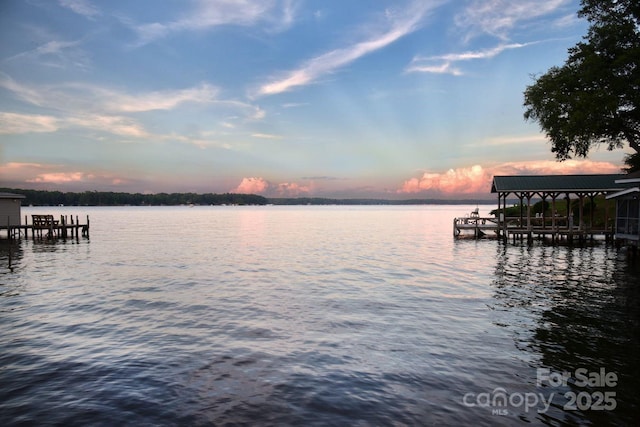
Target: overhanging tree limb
point(594, 98)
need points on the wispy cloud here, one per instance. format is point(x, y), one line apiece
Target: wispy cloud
point(118, 125)
point(81, 7)
point(86, 97)
point(56, 54)
point(566, 21)
point(157, 100)
point(266, 136)
point(478, 54)
point(537, 138)
point(209, 14)
point(444, 68)
point(106, 110)
point(443, 64)
point(400, 24)
point(121, 126)
point(26, 93)
point(14, 123)
point(499, 17)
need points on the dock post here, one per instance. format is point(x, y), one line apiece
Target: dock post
point(51, 230)
point(85, 229)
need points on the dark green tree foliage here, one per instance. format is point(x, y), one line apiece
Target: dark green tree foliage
point(96, 198)
point(594, 98)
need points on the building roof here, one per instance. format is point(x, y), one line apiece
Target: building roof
point(630, 178)
point(11, 196)
point(624, 192)
point(557, 183)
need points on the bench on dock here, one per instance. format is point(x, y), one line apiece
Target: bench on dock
point(44, 222)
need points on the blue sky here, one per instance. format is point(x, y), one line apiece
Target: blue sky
point(392, 99)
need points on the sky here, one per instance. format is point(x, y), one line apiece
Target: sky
point(394, 99)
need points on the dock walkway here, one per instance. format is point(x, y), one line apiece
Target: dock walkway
point(516, 229)
point(47, 227)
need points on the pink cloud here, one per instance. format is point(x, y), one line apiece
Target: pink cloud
point(462, 181)
point(551, 167)
point(58, 177)
point(477, 180)
point(255, 185)
point(18, 171)
point(251, 186)
point(44, 175)
point(293, 189)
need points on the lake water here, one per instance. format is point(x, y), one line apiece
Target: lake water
point(312, 315)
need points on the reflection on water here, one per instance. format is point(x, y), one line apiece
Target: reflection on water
point(308, 316)
point(10, 256)
point(574, 308)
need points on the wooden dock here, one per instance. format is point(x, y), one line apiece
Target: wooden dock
point(475, 226)
point(47, 227)
point(537, 228)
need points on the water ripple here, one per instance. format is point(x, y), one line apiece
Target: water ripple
point(305, 316)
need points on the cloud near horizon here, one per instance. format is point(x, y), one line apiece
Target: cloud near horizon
point(255, 185)
point(477, 180)
point(38, 175)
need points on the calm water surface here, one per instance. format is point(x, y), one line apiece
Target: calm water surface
point(312, 316)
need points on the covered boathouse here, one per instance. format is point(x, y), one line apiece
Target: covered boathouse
point(628, 210)
point(555, 189)
point(10, 209)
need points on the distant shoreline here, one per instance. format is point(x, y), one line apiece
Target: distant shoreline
point(105, 198)
point(347, 202)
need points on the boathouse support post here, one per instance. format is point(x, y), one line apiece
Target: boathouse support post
point(529, 230)
point(499, 214)
point(581, 224)
point(592, 201)
point(554, 228)
point(521, 198)
point(581, 211)
point(544, 211)
point(569, 219)
point(504, 218)
point(606, 221)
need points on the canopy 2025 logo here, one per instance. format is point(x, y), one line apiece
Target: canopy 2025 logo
point(595, 397)
point(599, 400)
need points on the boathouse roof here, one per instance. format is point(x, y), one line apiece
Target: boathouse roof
point(557, 183)
point(11, 196)
point(628, 180)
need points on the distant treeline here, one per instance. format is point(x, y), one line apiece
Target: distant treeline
point(329, 201)
point(101, 198)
